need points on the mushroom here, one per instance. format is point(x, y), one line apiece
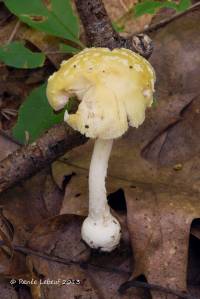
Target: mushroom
point(114, 88)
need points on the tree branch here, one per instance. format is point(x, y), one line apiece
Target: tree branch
point(28, 160)
point(97, 25)
point(83, 265)
point(100, 33)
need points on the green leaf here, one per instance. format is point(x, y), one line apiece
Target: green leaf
point(56, 19)
point(151, 7)
point(17, 55)
point(35, 116)
point(183, 5)
point(117, 27)
point(170, 4)
point(147, 7)
point(68, 49)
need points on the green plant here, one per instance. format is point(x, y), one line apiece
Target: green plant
point(56, 18)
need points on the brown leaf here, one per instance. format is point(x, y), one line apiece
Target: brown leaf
point(24, 293)
point(7, 291)
point(27, 205)
point(159, 225)
point(60, 237)
point(12, 263)
point(75, 199)
point(121, 10)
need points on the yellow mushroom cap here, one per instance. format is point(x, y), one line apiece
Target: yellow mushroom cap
point(114, 87)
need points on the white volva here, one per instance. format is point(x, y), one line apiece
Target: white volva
point(114, 89)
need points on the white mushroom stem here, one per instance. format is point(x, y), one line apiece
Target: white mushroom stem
point(100, 229)
point(98, 206)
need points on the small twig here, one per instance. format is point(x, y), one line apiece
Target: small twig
point(7, 113)
point(14, 31)
point(84, 265)
point(124, 6)
point(155, 287)
point(166, 21)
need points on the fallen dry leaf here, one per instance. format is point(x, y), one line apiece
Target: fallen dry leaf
point(30, 203)
point(121, 11)
point(60, 237)
point(159, 225)
point(7, 291)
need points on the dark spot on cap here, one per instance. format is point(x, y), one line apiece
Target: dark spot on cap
point(130, 66)
point(86, 126)
point(74, 65)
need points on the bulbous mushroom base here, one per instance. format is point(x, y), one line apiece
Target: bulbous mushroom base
point(100, 234)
